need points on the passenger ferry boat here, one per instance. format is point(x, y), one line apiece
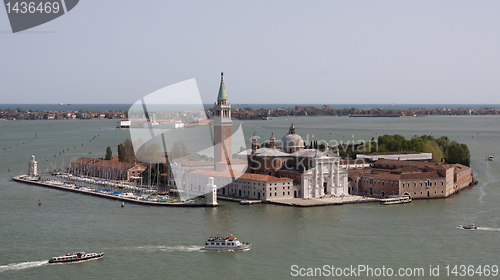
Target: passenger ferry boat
point(76, 257)
point(395, 200)
point(228, 243)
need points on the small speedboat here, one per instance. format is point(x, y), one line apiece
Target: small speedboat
point(76, 257)
point(467, 227)
point(491, 158)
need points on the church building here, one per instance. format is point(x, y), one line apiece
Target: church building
point(286, 170)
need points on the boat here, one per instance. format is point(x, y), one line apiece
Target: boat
point(76, 257)
point(228, 243)
point(467, 227)
point(491, 158)
point(395, 200)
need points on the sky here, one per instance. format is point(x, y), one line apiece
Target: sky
point(295, 52)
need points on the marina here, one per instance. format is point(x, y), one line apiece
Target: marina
point(108, 193)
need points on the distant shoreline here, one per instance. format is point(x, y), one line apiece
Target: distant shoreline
point(124, 107)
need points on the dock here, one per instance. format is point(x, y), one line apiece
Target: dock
point(324, 201)
point(22, 179)
point(242, 201)
point(300, 202)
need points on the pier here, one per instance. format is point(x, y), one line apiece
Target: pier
point(31, 180)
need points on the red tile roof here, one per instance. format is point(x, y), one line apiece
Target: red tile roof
point(244, 176)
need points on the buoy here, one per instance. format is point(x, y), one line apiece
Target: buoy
point(9, 169)
point(39, 202)
point(123, 204)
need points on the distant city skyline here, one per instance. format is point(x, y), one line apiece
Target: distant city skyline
point(280, 52)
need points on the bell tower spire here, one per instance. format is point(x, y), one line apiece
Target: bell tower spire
point(222, 129)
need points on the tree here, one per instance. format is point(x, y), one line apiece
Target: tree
point(458, 153)
point(437, 153)
point(444, 143)
point(128, 148)
point(151, 153)
point(109, 154)
point(121, 153)
point(179, 149)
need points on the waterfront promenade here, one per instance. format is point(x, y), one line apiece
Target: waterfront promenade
point(327, 200)
point(299, 202)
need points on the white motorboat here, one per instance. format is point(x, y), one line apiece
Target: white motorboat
point(467, 227)
point(228, 243)
point(395, 200)
point(75, 257)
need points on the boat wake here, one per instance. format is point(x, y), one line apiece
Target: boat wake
point(488, 178)
point(488, 228)
point(179, 248)
point(22, 265)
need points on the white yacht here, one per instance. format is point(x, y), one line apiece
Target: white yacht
point(228, 243)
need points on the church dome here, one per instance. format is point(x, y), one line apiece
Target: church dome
point(292, 142)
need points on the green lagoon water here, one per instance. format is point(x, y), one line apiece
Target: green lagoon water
point(143, 242)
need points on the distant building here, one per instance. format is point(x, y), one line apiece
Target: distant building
point(123, 124)
point(300, 108)
point(172, 124)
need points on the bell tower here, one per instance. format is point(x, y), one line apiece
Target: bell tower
point(222, 129)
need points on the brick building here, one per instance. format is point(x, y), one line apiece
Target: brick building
point(415, 178)
point(106, 169)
